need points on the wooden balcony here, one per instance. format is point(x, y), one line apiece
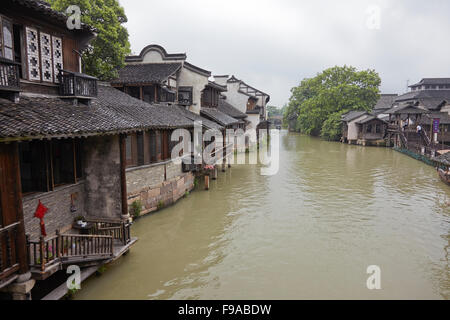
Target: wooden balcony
point(9, 75)
point(77, 85)
point(108, 241)
point(9, 264)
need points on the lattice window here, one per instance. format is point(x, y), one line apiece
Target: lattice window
point(46, 57)
point(33, 57)
point(57, 56)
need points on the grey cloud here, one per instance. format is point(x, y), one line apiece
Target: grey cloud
point(272, 45)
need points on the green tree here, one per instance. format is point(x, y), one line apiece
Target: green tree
point(106, 53)
point(318, 103)
point(274, 111)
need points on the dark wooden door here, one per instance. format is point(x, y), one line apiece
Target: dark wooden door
point(71, 58)
point(12, 233)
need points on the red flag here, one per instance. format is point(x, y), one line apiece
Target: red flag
point(41, 210)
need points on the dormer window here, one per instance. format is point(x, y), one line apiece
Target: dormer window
point(185, 96)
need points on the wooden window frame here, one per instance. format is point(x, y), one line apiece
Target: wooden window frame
point(133, 160)
point(2, 43)
point(189, 90)
point(153, 146)
point(140, 148)
point(49, 165)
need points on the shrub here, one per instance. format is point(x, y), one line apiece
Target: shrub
point(136, 208)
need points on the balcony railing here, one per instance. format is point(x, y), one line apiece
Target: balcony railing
point(77, 85)
point(45, 253)
point(9, 75)
point(9, 263)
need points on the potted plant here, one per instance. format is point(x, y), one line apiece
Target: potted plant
point(80, 220)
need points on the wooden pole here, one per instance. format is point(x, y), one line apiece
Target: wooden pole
point(123, 178)
point(21, 241)
point(58, 244)
point(224, 152)
point(206, 181)
point(42, 252)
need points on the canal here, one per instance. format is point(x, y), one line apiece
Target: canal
point(309, 232)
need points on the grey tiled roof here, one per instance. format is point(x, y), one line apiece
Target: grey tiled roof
point(370, 118)
point(228, 109)
point(431, 99)
point(218, 116)
point(385, 101)
point(444, 118)
point(46, 10)
point(208, 124)
point(139, 112)
point(146, 73)
point(113, 111)
point(432, 81)
point(352, 115)
point(406, 108)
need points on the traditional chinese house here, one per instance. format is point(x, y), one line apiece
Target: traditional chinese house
point(157, 76)
point(368, 128)
point(403, 121)
point(176, 86)
point(68, 144)
point(246, 99)
point(233, 112)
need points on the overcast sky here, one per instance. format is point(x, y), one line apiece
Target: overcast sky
point(274, 44)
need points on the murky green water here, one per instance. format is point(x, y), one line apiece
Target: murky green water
point(309, 232)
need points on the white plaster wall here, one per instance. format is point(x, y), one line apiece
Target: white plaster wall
point(353, 128)
point(254, 119)
point(221, 80)
point(154, 56)
point(188, 78)
point(235, 98)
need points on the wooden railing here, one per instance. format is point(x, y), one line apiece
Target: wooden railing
point(8, 251)
point(73, 84)
point(45, 253)
point(425, 137)
point(9, 75)
point(118, 230)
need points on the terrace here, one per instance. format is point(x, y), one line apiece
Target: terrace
point(106, 241)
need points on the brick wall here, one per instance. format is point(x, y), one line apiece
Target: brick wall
point(59, 216)
point(98, 195)
point(147, 184)
point(145, 177)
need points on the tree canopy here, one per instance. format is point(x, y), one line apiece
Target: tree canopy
point(106, 53)
point(274, 111)
point(318, 103)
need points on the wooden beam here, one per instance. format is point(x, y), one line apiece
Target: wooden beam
point(74, 161)
point(21, 241)
point(123, 178)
